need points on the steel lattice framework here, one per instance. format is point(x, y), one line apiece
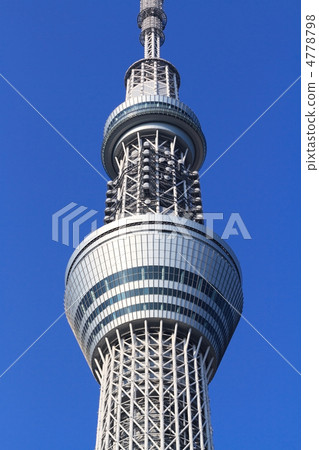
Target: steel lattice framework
point(154, 393)
point(153, 297)
point(153, 177)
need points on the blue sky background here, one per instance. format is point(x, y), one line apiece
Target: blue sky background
point(69, 59)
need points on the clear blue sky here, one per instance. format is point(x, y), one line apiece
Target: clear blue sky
point(68, 59)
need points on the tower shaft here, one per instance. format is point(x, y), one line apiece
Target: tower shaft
point(154, 393)
point(152, 21)
point(154, 177)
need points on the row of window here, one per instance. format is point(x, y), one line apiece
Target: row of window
point(160, 106)
point(167, 292)
point(161, 307)
point(151, 222)
point(150, 273)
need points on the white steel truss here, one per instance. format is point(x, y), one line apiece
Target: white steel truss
point(154, 392)
point(152, 77)
point(154, 178)
point(152, 45)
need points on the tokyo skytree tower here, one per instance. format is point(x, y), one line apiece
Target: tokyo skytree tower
point(152, 296)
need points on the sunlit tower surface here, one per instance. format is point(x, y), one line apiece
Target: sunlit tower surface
point(152, 296)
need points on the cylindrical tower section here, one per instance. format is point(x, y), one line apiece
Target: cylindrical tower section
point(153, 267)
point(151, 112)
point(152, 77)
point(154, 175)
point(154, 392)
point(152, 21)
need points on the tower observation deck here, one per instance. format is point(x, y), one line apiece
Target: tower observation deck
point(152, 296)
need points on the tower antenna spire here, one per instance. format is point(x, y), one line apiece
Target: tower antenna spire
point(152, 21)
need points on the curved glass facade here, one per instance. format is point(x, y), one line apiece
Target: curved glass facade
point(145, 109)
point(161, 306)
point(164, 273)
point(148, 102)
point(174, 268)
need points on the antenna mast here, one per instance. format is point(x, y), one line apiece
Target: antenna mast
point(152, 21)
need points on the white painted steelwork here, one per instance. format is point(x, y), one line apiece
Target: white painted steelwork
point(154, 176)
point(154, 392)
point(152, 77)
point(153, 297)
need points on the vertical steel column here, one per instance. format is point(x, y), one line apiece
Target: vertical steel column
point(176, 390)
point(198, 393)
point(168, 88)
point(204, 371)
point(155, 78)
point(161, 386)
point(176, 87)
point(174, 177)
point(122, 194)
point(132, 391)
point(146, 384)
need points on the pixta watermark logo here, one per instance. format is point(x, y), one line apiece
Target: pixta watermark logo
point(67, 222)
point(234, 226)
point(229, 225)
